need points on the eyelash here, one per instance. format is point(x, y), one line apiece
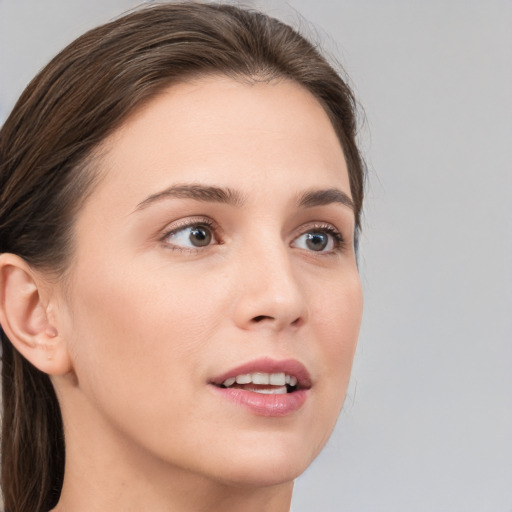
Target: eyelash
point(337, 237)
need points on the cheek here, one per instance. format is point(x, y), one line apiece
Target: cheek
point(335, 318)
point(140, 332)
point(339, 313)
point(139, 321)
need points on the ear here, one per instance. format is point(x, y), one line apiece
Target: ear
point(24, 318)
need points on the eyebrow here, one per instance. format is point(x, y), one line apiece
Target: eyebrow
point(212, 194)
point(312, 198)
point(198, 192)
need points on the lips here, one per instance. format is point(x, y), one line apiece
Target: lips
point(265, 386)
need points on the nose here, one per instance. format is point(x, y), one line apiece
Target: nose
point(270, 295)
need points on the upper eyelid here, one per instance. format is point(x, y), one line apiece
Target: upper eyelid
point(178, 225)
point(197, 221)
point(318, 225)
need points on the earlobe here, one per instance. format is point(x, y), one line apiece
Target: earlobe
point(24, 318)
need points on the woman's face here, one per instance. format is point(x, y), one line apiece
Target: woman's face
point(218, 244)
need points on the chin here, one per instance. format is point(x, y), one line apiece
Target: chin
point(267, 462)
point(261, 475)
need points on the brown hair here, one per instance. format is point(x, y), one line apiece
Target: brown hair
point(46, 147)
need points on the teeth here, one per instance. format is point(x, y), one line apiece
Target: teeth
point(261, 378)
point(229, 382)
point(281, 390)
point(277, 379)
point(244, 379)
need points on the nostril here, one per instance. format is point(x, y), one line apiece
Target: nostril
point(260, 318)
point(297, 322)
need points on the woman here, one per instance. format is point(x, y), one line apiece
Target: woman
point(180, 301)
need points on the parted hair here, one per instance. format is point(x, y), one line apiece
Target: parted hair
point(47, 148)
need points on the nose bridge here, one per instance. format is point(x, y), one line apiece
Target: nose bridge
point(270, 291)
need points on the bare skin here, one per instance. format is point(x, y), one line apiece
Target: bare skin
point(150, 313)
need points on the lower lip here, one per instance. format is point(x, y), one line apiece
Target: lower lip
point(265, 405)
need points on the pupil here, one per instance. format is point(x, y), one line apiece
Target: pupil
point(316, 241)
point(200, 236)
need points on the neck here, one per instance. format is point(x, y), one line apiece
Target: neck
point(180, 495)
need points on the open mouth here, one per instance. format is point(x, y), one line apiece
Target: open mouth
point(262, 382)
point(266, 387)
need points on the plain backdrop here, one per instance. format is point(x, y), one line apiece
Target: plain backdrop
point(427, 424)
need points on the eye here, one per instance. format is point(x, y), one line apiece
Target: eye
point(323, 239)
point(191, 237)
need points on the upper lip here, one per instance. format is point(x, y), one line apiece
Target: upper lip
point(268, 365)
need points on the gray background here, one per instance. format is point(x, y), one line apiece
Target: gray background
point(427, 424)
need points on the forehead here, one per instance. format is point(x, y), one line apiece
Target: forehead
point(220, 131)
